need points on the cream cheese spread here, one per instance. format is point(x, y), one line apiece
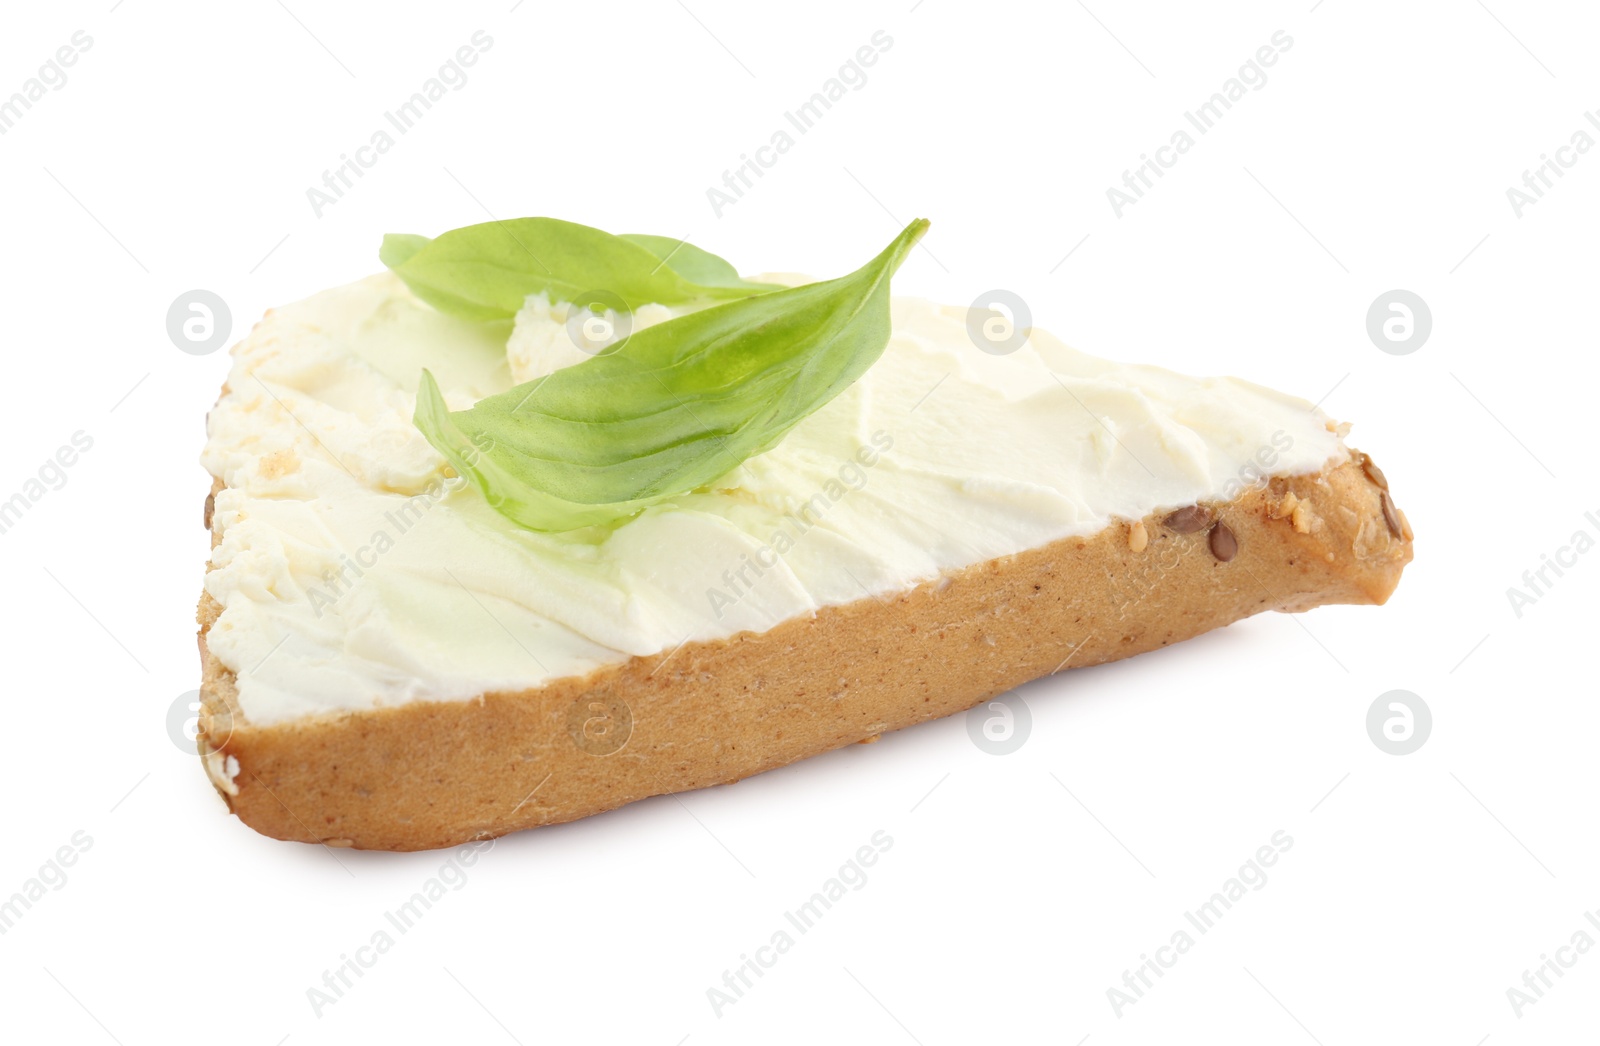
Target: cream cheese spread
point(355, 571)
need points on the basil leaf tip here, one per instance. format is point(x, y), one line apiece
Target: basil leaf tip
point(671, 408)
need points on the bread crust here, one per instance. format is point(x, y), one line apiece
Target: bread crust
point(435, 774)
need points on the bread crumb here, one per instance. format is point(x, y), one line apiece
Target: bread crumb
point(279, 463)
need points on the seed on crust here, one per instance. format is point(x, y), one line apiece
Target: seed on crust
point(1223, 544)
point(1286, 506)
point(1189, 519)
point(211, 504)
point(1374, 473)
point(1138, 536)
point(1390, 514)
point(1301, 518)
point(1405, 525)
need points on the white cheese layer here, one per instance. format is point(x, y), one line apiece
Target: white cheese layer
point(355, 572)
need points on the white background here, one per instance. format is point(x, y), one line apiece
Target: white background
point(1418, 889)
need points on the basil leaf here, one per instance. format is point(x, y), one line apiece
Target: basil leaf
point(398, 247)
point(484, 272)
point(696, 265)
point(670, 408)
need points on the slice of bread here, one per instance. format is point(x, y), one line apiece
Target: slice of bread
point(435, 773)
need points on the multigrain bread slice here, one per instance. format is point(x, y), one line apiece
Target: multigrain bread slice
point(433, 774)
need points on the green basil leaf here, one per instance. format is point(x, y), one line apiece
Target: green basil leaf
point(398, 247)
point(484, 272)
point(670, 408)
point(696, 265)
